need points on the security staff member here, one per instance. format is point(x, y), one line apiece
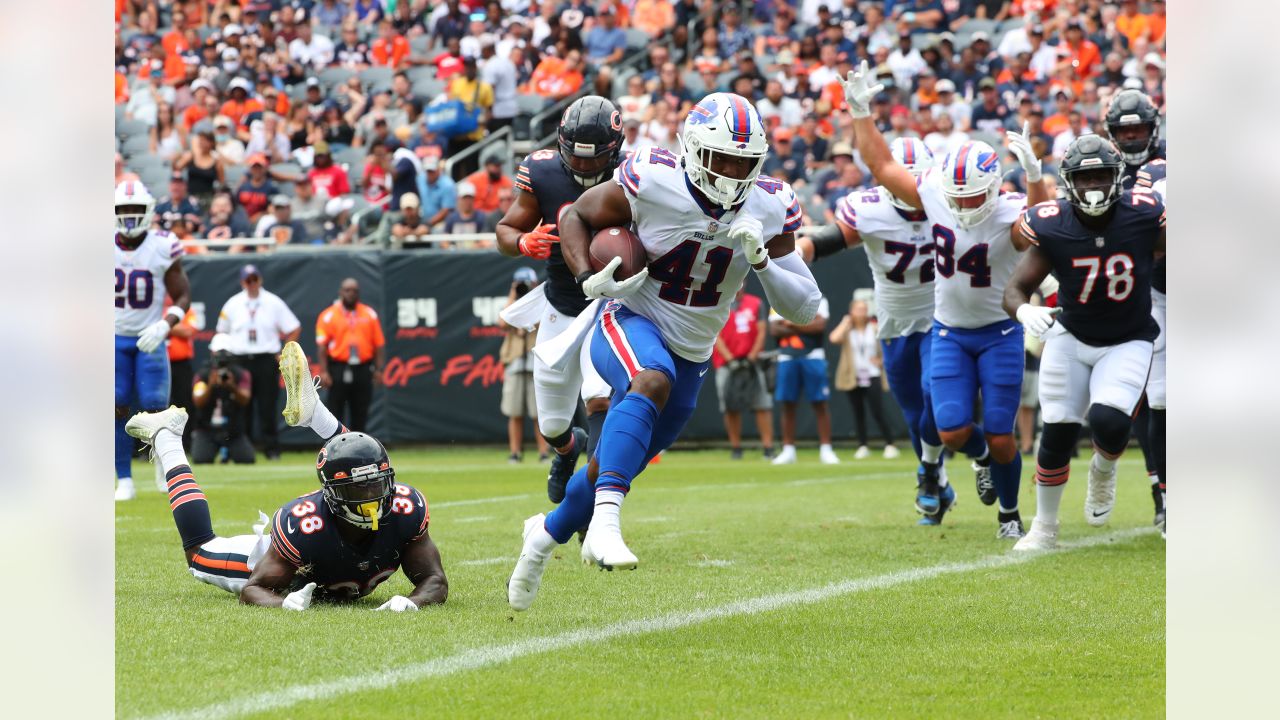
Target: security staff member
point(259, 324)
point(352, 352)
point(181, 372)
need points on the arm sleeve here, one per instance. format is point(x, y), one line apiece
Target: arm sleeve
point(791, 289)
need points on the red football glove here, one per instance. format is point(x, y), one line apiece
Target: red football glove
point(537, 242)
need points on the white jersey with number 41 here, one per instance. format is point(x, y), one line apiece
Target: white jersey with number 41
point(140, 286)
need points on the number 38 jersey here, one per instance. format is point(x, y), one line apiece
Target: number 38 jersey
point(972, 265)
point(900, 253)
point(1104, 275)
point(694, 269)
point(140, 286)
point(306, 534)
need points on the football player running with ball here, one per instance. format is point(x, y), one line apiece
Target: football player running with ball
point(977, 241)
point(590, 137)
point(1102, 243)
point(337, 543)
point(705, 219)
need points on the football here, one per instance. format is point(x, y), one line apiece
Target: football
point(618, 242)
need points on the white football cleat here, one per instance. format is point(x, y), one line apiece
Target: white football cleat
point(124, 490)
point(828, 456)
point(300, 390)
point(522, 588)
point(604, 545)
point(863, 453)
point(786, 457)
point(1101, 495)
point(891, 452)
point(1041, 536)
point(145, 425)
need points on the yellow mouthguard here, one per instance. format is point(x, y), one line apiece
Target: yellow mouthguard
point(370, 510)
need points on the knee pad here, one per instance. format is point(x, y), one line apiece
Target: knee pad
point(1053, 462)
point(559, 439)
point(1003, 448)
point(1110, 428)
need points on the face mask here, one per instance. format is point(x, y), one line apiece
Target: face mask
point(231, 65)
point(222, 137)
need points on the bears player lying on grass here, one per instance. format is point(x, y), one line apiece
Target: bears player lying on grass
point(337, 543)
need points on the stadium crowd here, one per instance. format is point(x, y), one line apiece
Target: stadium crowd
point(335, 121)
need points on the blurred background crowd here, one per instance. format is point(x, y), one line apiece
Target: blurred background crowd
point(398, 122)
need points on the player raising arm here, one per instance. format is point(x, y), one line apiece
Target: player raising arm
point(337, 543)
point(1102, 243)
point(975, 345)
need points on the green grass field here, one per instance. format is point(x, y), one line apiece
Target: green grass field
point(762, 592)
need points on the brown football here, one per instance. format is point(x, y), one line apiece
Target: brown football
point(618, 242)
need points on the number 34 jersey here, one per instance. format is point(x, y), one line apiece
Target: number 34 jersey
point(694, 269)
point(140, 286)
point(1104, 274)
point(306, 534)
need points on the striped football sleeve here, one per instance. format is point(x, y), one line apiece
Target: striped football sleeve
point(1024, 224)
point(845, 212)
point(281, 543)
point(795, 215)
point(628, 178)
point(524, 181)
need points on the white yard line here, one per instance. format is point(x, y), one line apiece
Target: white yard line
point(491, 655)
point(487, 561)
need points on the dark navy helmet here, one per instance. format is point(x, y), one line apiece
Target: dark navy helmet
point(357, 479)
point(590, 139)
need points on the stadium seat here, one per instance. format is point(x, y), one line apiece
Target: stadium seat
point(420, 45)
point(1012, 24)
point(637, 40)
point(724, 79)
point(355, 174)
point(234, 175)
point(146, 161)
point(120, 108)
point(297, 92)
point(693, 83)
point(156, 179)
point(135, 145)
point(979, 25)
point(287, 169)
point(207, 31)
point(421, 72)
point(376, 75)
point(351, 157)
point(992, 139)
point(286, 188)
point(428, 88)
point(334, 76)
point(126, 129)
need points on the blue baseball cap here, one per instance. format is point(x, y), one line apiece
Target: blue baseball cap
point(525, 275)
point(249, 271)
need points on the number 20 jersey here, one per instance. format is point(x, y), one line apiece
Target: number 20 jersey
point(1104, 275)
point(694, 269)
point(139, 280)
point(900, 253)
point(973, 266)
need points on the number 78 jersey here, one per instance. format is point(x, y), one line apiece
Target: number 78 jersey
point(694, 269)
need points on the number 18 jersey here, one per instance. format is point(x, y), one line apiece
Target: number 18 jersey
point(694, 269)
point(140, 286)
point(900, 253)
point(973, 265)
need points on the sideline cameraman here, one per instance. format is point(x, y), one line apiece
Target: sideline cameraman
point(221, 397)
point(516, 357)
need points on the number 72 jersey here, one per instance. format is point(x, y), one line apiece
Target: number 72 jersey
point(1104, 274)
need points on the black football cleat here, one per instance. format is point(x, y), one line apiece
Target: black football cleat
point(562, 467)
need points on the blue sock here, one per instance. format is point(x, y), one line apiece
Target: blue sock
point(1007, 477)
point(575, 510)
point(124, 451)
point(976, 446)
point(629, 430)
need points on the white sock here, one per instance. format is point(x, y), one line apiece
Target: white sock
point(542, 543)
point(324, 423)
point(167, 447)
point(125, 481)
point(827, 448)
point(788, 448)
point(1005, 510)
point(985, 454)
point(1048, 498)
point(1102, 463)
point(930, 453)
point(608, 507)
point(1154, 478)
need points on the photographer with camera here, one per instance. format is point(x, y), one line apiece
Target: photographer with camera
point(221, 397)
point(516, 357)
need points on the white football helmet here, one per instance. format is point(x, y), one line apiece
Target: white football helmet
point(134, 209)
point(727, 124)
point(973, 170)
point(914, 155)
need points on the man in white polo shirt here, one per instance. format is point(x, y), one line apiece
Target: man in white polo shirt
point(259, 323)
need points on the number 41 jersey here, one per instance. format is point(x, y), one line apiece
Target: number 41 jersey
point(140, 286)
point(694, 269)
point(1104, 274)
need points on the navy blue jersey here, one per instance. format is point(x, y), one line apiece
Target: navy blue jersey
point(1131, 171)
point(543, 175)
point(1104, 273)
point(306, 534)
point(1148, 175)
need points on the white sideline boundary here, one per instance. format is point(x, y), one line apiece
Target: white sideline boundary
point(490, 655)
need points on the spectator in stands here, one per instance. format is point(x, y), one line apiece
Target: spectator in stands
point(334, 127)
point(784, 163)
point(256, 190)
point(709, 59)
point(464, 218)
point(351, 352)
point(308, 208)
point(555, 78)
point(740, 382)
point(1077, 52)
point(376, 176)
point(780, 35)
point(825, 72)
point(778, 110)
point(351, 52)
point(1058, 120)
point(946, 138)
point(265, 137)
point(240, 103)
point(812, 146)
point(671, 89)
point(310, 50)
point(328, 179)
point(635, 104)
point(989, 114)
point(279, 224)
point(733, 37)
point(178, 205)
point(203, 166)
point(500, 74)
point(849, 179)
point(949, 104)
point(632, 140)
point(166, 138)
point(201, 91)
point(452, 25)
point(439, 194)
point(227, 146)
point(488, 181)
point(474, 93)
point(829, 180)
point(391, 49)
point(329, 14)
point(224, 220)
point(368, 12)
point(221, 396)
point(406, 170)
point(905, 62)
point(655, 17)
point(858, 375)
point(338, 228)
point(406, 225)
point(516, 356)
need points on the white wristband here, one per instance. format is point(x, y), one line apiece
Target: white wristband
point(175, 312)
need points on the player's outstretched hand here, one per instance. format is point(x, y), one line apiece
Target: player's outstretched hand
point(602, 284)
point(537, 242)
point(398, 603)
point(857, 92)
point(1037, 319)
point(749, 232)
point(299, 599)
point(1020, 146)
point(152, 335)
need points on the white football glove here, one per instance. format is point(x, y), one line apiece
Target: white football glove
point(299, 599)
point(1020, 146)
point(399, 603)
point(1036, 319)
point(602, 284)
point(749, 232)
point(857, 93)
point(152, 335)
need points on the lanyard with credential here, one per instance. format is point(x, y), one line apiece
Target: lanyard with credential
point(251, 306)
